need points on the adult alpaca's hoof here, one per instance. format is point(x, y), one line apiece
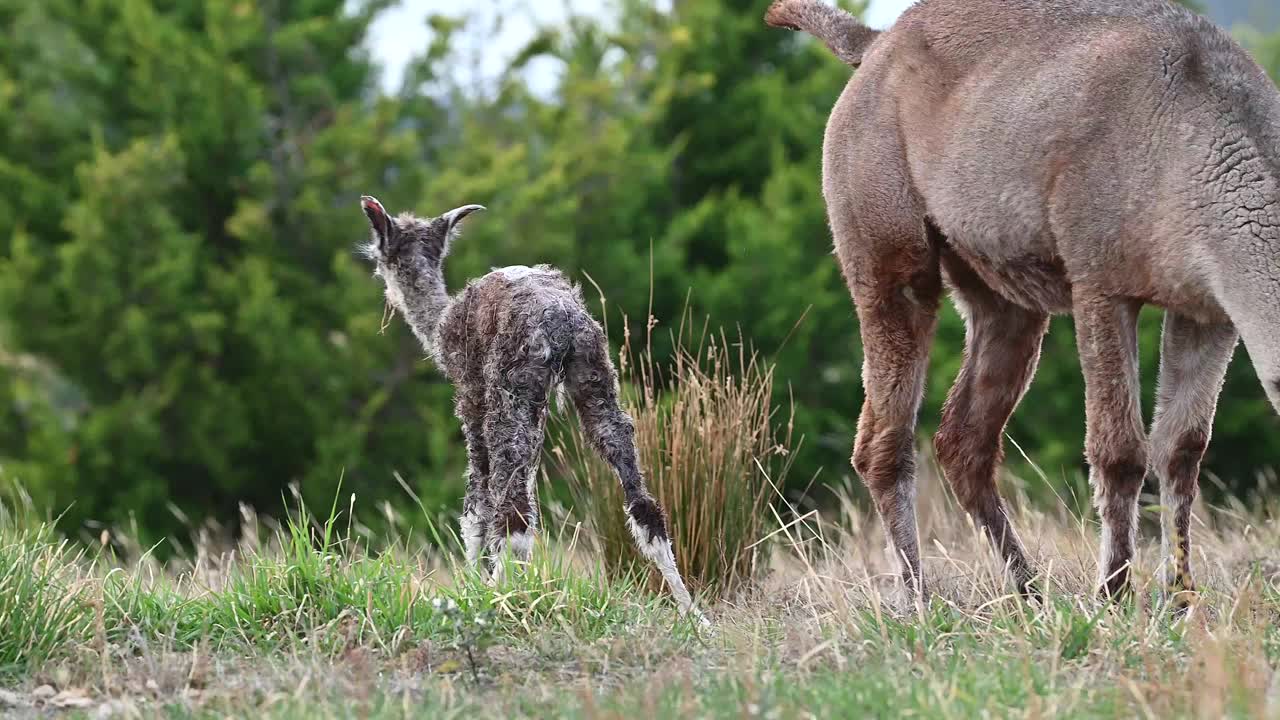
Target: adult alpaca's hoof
point(1184, 602)
point(1115, 586)
point(1183, 597)
point(1030, 591)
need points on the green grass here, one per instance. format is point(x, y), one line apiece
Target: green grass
point(309, 623)
point(306, 587)
point(40, 611)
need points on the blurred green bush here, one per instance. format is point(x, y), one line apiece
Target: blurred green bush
point(183, 322)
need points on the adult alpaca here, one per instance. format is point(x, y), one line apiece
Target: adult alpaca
point(1051, 156)
point(505, 342)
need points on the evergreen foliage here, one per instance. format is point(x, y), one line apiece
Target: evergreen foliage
point(183, 322)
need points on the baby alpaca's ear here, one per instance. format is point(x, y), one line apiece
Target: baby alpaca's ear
point(455, 216)
point(381, 223)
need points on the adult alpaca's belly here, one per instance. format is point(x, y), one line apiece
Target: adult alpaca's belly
point(1012, 253)
point(1034, 281)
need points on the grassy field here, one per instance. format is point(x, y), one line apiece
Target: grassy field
point(295, 622)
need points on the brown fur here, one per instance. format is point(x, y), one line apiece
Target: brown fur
point(1051, 156)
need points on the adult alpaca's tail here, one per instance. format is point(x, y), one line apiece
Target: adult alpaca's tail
point(847, 37)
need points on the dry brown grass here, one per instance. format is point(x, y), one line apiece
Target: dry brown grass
point(714, 449)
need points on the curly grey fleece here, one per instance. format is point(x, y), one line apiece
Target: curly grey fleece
point(504, 342)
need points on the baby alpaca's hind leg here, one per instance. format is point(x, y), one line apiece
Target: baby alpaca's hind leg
point(477, 513)
point(514, 427)
point(593, 384)
point(476, 518)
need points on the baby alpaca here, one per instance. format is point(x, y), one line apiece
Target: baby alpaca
point(505, 342)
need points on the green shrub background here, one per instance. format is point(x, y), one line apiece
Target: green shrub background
point(184, 325)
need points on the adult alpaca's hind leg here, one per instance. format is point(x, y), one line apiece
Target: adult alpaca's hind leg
point(593, 385)
point(896, 286)
point(896, 333)
point(1002, 347)
point(888, 254)
point(1115, 441)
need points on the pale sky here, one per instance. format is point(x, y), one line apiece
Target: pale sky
point(500, 28)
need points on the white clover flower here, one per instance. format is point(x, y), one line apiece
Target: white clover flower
point(444, 604)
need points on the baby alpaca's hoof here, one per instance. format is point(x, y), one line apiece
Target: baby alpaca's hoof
point(1183, 599)
point(696, 615)
point(495, 574)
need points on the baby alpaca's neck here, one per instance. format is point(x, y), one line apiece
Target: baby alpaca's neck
point(418, 292)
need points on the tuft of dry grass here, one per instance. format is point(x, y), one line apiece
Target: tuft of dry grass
point(714, 449)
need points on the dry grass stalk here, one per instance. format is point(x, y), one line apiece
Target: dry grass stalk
point(714, 448)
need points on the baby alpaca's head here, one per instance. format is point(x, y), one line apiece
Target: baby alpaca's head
point(408, 240)
point(408, 252)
